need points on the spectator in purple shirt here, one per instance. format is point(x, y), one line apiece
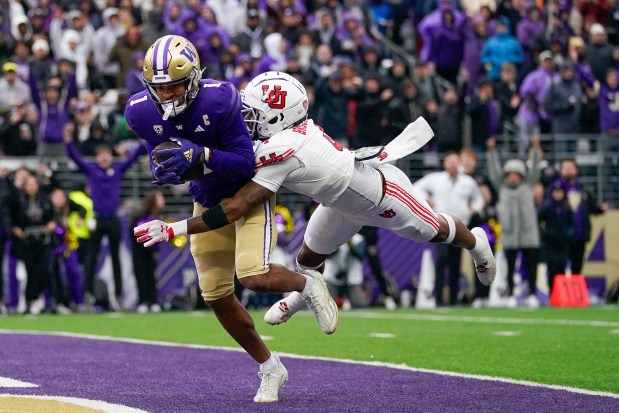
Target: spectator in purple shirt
point(444, 44)
point(476, 34)
point(104, 179)
point(530, 28)
point(609, 109)
point(532, 91)
point(583, 205)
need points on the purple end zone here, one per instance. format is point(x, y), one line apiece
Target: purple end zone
point(174, 379)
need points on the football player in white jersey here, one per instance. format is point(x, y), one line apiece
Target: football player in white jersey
point(295, 153)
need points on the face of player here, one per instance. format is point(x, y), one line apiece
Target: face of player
point(174, 92)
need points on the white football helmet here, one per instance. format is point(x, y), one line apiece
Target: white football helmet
point(272, 102)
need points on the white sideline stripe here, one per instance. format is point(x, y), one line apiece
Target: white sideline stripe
point(471, 319)
point(93, 404)
point(303, 357)
point(8, 382)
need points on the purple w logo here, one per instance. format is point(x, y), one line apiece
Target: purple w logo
point(189, 54)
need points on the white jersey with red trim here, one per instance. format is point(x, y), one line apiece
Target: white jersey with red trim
point(307, 161)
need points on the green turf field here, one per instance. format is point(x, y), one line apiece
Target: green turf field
point(570, 347)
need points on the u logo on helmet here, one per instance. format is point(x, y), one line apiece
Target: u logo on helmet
point(275, 98)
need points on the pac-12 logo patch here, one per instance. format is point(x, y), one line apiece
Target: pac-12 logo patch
point(158, 129)
point(275, 98)
point(390, 213)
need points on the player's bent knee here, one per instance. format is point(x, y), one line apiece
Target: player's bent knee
point(216, 284)
point(253, 282)
point(210, 297)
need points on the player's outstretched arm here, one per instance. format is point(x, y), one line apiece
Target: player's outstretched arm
point(248, 197)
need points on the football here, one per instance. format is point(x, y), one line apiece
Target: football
point(193, 173)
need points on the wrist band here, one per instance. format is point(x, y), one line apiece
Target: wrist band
point(215, 217)
point(178, 228)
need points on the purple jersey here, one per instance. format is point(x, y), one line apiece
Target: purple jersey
point(213, 120)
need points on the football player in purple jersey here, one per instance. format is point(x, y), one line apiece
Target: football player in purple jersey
point(204, 117)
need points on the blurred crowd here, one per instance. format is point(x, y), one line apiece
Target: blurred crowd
point(532, 67)
point(370, 67)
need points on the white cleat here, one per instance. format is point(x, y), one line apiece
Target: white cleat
point(271, 381)
point(319, 300)
point(485, 267)
point(281, 311)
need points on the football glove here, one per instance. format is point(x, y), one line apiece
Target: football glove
point(184, 158)
point(156, 231)
point(162, 176)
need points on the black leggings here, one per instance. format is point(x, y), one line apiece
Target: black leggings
point(111, 228)
point(529, 262)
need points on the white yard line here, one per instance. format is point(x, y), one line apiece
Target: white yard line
point(8, 382)
point(346, 361)
point(471, 319)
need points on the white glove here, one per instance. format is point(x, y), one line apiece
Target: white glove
point(156, 231)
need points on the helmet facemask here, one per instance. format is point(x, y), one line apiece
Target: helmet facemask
point(172, 107)
point(255, 120)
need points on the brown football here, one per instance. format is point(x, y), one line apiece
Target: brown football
point(193, 173)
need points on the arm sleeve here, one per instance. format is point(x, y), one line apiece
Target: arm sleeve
point(536, 172)
point(35, 91)
point(494, 168)
point(124, 165)
point(477, 200)
point(235, 156)
point(593, 206)
point(424, 186)
point(73, 206)
point(71, 90)
point(77, 158)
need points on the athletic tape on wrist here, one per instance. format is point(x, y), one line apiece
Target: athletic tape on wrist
point(452, 227)
point(178, 228)
point(215, 217)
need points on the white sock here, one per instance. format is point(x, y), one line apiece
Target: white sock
point(478, 249)
point(309, 283)
point(270, 364)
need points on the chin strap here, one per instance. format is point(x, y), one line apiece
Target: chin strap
point(168, 111)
